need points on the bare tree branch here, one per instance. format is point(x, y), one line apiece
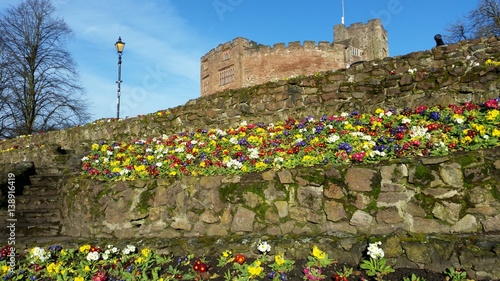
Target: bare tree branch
point(41, 90)
point(484, 21)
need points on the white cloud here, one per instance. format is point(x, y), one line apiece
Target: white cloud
point(161, 54)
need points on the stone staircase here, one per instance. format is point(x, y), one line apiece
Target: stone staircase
point(38, 206)
point(38, 209)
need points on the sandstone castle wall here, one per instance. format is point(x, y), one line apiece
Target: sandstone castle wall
point(242, 63)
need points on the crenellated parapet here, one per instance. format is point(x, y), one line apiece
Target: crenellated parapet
point(242, 62)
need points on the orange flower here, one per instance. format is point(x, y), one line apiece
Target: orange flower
point(239, 258)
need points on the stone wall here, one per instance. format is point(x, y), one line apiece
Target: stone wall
point(446, 75)
point(430, 212)
point(404, 202)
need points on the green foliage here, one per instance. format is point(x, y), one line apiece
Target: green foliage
point(455, 274)
point(376, 267)
point(414, 278)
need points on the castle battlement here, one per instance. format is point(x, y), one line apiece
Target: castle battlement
point(242, 62)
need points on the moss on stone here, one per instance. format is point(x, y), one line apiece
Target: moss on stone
point(467, 159)
point(423, 173)
point(143, 204)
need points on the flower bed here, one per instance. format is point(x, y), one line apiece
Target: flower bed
point(130, 263)
point(339, 139)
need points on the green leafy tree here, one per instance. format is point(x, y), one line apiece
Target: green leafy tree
point(39, 86)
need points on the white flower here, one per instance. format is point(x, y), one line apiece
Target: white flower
point(179, 149)
point(158, 164)
point(85, 158)
point(93, 256)
point(278, 159)
point(220, 132)
point(374, 251)
point(243, 123)
point(124, 172)
point(233, 163)
point(129, 249)
point(105, 256)
point(344, 114)
point(148, 150)
point(40, 253)
point(333, 138)
point(254, 153)
point(406, 120)
point(189, 156)
point(233, 140)
point(375, 153)
point(109, 152)
point(264, 247)
point(270, 126)
point(459, 119)
point(418, 131)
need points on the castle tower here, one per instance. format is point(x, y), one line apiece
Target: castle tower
point(364, 41)
point(242, 63)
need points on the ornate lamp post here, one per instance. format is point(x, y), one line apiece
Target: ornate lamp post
point(119, 45)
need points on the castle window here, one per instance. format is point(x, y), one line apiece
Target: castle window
point(226, 55)
point(205, 85)
point(226, 76)
point(356, 52)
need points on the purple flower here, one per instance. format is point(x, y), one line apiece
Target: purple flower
point(435, 115)
point(345, 146)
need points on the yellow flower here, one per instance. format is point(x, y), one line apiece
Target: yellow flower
point(379, 111)
point(466, 140)
point(172, 173)
point(145, 252)
point(139, 168)
point(79, 278)
point(5, 268)
point(317, 253)
point(203, 164)
point(492, 115)
point(139, 260)
point(495, 133)
point(53, 268)
point(227, 253)
point(279, 259)
point(260, 165)
point(255, 269)
point(87, 268)
point(348, 126)
point(85, 248)
point(95, 146)
point(480, 128)
point(104, 147)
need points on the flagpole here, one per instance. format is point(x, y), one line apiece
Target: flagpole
point(342, 11)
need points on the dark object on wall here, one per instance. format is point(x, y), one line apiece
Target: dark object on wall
point(439, 40)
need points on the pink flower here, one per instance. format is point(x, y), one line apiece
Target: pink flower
point(493, 103)
point(100, 276)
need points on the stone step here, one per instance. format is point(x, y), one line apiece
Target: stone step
point(45, 179)
point(40, 190)
point(51, 170)
point(47, 216)
point(36, 202)
point(37, 230)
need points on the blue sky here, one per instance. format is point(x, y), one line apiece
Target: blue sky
point(165, 39)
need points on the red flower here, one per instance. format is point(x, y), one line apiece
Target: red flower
point(239, 258)
point(200, 266)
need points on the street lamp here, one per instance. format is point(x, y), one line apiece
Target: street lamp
point(119, 45)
